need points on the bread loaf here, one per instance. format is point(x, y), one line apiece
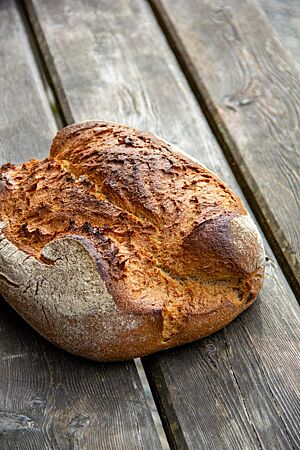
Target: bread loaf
point(117, 245)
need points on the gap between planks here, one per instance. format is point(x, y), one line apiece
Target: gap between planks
point(42, 65)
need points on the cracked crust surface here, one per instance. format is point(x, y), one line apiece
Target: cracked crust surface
point(172, 244)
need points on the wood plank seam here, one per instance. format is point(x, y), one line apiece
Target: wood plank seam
point(44, 63)
point(274, 235)
point(172, 429)
point(57, 112)
point(152, 404)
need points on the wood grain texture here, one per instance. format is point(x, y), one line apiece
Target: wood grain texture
point(250, 87)
point(229, 391)
point(48, 398)
point(21, 93)
point(284, 16)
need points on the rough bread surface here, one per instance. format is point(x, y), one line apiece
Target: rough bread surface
point(152, 250)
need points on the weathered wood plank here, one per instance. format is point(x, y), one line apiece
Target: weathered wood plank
point(209, 398)
point(250, 87)
point(21, 94)
point(48, 398)
point(284, 15)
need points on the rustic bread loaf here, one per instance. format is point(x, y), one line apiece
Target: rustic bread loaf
point(117, 245)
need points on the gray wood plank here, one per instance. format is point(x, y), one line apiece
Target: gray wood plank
point(48, 398)
point(284, 15)
point(208, 398)
point(249, 85)
point(26, 122)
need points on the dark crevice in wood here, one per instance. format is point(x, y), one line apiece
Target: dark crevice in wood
point(152, 404)
point(161, 395)
point(42, 65)
point(227, 146)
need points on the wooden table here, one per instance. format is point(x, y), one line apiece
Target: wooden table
point(220, 79)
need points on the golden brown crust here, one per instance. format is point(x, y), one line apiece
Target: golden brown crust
point(174, 242)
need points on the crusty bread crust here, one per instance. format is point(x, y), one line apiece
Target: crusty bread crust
point(148, 232)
